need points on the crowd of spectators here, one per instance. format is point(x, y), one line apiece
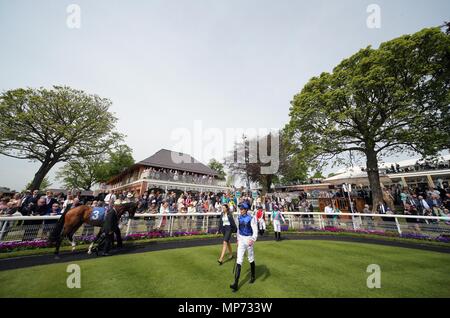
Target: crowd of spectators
point(419, 166)
point(416, 201)
point(32, 203)
point(156, 201)
point(178, 176)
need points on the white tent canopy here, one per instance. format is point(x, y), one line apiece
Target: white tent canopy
point(354, 175)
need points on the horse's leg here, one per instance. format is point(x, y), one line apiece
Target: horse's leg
point(58, 243)
point(94, 241)
point(72, 241)
point(71, 234)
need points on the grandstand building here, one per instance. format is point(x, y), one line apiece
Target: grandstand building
point(167, 170)
point(417, 173)
point(408, 173)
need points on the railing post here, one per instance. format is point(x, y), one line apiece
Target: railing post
point(128, 227)
point(398, 226)
point(170, 225)
point(3, 229)
point(353, 222)
point(321, 222)
point(207, 223)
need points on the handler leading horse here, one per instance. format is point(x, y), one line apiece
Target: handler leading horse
point(72, 220)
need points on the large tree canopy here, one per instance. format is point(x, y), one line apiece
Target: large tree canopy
point(54, 125)
point(377, 102)
point(250, 156)
point(84, 173)
point(218, 167)
point(80, 173)
point(117, 160)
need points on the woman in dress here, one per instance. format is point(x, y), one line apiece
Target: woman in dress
point(227, 226)
point(163, 210)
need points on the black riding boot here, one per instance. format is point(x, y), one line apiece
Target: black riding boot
point(279, 236)
point(234, 286)
point(253, 276)
point(276, 236)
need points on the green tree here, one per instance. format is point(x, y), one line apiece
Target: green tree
point(45, 184)
point(116, 161)
point(218, 167)
point(250, 167)
point(318, 175)
point(293, 164)
point(80, 173)
point(54, 125)
point(378, 102)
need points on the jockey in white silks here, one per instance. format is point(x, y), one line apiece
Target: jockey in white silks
point(277, 217)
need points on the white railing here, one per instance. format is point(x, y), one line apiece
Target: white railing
point(26, 228)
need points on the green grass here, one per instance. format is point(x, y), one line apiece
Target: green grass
point(81, 247)
point(284, 269)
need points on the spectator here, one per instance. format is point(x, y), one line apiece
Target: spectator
point(49, 201)
point(368, 219)
point(25, 203)
point(412, 222)
point(164, 209)
point(329, 210)
point(32, 226)
point(48, 224)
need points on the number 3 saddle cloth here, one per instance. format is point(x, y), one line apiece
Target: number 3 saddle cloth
point(98, 216)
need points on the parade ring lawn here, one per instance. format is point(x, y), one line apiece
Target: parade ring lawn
point(284, 269)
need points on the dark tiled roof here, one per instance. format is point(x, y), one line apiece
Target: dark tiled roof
point(176, 160)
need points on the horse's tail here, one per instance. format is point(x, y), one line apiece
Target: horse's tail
point(55, 234)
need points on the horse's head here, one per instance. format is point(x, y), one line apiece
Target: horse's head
point(129, 207)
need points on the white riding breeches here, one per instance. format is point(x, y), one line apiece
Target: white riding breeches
point(261, 224)
point(243, 245)
point(277, 225)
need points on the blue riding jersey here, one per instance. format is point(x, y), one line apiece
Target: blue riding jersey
point(245, 225)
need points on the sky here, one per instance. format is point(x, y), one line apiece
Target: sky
point(167, 64)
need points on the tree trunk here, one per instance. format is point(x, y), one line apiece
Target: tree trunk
point(40, 175)
point(268, 182)
point(374, 178)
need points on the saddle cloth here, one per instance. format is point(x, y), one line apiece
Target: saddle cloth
point(98, 214)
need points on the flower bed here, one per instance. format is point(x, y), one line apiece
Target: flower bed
point(416, 236)
point(19, 245)
point(39, 243)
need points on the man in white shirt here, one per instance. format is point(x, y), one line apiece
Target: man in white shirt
point(329, 210)
point(110, 198)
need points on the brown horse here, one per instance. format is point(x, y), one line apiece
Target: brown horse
point(71, 221)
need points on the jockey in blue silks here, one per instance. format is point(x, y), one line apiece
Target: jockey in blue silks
point(246, 235)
